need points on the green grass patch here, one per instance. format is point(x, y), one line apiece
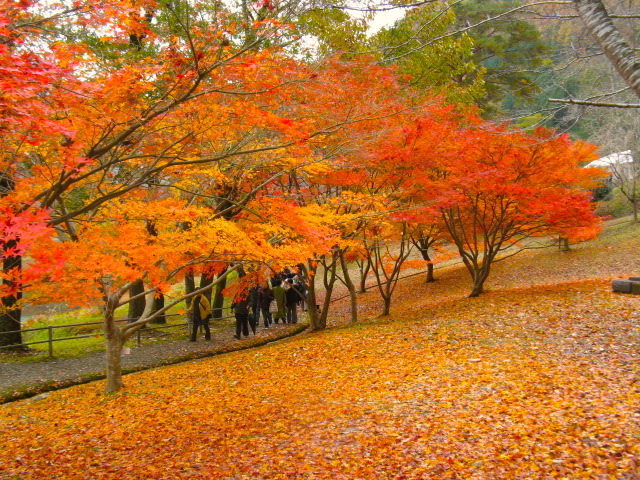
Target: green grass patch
point(83, 331)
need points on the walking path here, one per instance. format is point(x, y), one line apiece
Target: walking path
point(23, 380)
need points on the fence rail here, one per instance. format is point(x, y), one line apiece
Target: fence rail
point(51, 339)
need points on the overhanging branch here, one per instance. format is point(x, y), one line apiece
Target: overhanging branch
point(594, 104)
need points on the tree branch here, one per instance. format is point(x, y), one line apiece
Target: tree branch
point(595, 104)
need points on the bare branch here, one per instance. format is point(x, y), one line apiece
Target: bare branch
point(595, 104)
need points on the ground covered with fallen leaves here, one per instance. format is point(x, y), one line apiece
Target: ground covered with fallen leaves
point(537, 379)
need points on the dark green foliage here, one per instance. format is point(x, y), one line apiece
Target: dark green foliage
point(509, 49)
point(603, 193)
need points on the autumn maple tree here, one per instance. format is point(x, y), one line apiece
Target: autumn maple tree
point(505, 188)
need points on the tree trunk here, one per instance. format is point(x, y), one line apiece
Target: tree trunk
point(114, 342)
point(158, 303)
point(329, 283)
point(205, 280)
point(114, 363)
point(635, 211)
point(11, 316)
point(365, 266)
point(218, 300)
point(10, 319)
point(351, 287)
point(423, 244)
point(425, 256)
point(136, 307)
point(310, 273)
point(430, 277)
point(618, 51)
point(477, 288)
point(189, 287)
point(563, 244)
point(386, 310)
point(479, 277)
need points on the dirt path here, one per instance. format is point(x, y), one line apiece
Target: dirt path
point(21, 380)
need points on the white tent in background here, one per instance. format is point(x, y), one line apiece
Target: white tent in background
point(620, 165)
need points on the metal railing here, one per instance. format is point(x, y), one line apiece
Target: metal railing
point(51, 339)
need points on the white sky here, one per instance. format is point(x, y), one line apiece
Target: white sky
point(385, 19)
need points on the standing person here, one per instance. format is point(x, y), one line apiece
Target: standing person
point(286, 274)
point(293, 297)
point(279, 295)
point(240, 307)
point(201, 316)
point(254, 298)
point(300, 283)
point(266, 297)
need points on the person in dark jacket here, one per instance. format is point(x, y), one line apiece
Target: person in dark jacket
point(266, 297)
point(254, 299)
point(201, 316)
point(301, 285)
point(240, 307)
point(293, 296)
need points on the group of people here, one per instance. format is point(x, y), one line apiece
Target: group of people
point(277, 300)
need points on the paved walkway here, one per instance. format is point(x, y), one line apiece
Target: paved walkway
point(22, 380)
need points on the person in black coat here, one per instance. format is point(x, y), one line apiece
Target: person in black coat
point(292, 296)
point(266, 297)
point(240, 309)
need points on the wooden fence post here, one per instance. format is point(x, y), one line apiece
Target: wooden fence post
point(50, 341)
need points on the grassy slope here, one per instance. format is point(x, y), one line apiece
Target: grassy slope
point(540, 381)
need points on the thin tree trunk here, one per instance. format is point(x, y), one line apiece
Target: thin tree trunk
point(310, 272)
point(615, 47)
point(386, 310)
point(10, 319)
point(365, 267)
point(563, 244)
point(423, 244)
point(430, 276)
point(158, 301)
point(218, 300)
point(158, 304)
point(189, 287)
point(480, 276)
point(205, 280)
point(114, 364)
point(476, 290)
point(114, 343)
point(329, 280)
point(11, 316)
point(136, 306)
point(425, 256)
point(351, 287)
